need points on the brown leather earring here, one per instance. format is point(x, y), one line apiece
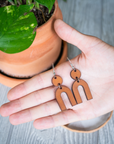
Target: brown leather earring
point(76, 74)
point(57, 81)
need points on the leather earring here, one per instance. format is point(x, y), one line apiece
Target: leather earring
point(57, 81)
point(76, 74)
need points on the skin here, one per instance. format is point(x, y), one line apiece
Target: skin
point(35, 98)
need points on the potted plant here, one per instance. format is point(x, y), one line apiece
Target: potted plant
point(29, 45)
point(28, 42)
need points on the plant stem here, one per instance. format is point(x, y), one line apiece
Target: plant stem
point(43, 15)
point(37, 6)
point(11, 3)
point(15, 1)
point(18, 2)
point(28, 2)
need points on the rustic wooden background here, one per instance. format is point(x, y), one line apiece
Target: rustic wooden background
point(93, 17)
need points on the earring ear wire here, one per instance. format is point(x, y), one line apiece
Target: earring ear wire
point(71, 64)
point(53, 69)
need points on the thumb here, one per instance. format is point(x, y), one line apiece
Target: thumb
point(69, 34)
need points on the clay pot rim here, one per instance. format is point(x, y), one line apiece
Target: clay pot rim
point(89, 131)
point(4, 78)
point(43, 25)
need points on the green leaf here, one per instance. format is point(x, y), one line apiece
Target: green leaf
point(47, 3)
point(17, 26)
point(36, 5)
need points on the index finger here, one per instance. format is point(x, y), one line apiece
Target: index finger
point(38, 82)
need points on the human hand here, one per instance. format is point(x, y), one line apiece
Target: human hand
point(35, 98)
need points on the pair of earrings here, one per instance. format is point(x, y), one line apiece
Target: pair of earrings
point(74, 96)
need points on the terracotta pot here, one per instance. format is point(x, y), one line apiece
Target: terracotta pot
point(89, 126)
point(12, 82)
point(44, 51)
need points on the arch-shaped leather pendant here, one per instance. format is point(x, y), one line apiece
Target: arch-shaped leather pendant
point(59, 98)
point(85, 88)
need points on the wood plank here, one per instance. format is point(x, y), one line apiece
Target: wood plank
point(108, 22)
point(4, 122)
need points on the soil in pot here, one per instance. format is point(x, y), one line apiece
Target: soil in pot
point(42, 14)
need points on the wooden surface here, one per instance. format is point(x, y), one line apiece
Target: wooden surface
point(92, 17)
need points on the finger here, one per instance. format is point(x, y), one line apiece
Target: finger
point(40, 81)
point(27, 115)
point(69, 34)
point(28, 101)
point(59, 119)
point(83, 111)
point(86, 110)
point(80, 112)
point(47, 108)
point(34, 99)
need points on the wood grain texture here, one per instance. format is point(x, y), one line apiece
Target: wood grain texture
point(108, 22)
point(90, 17)
point(5, 125)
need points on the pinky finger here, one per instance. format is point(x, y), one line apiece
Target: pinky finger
point(59, 119)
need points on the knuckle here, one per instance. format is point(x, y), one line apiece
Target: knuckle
point(47, 109)
point(40, 81)
point(38, 97)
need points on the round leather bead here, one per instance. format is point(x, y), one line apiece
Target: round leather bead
point(75, 74)
point(57, 80)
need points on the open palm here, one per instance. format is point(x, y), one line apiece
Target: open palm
point(35, 98)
